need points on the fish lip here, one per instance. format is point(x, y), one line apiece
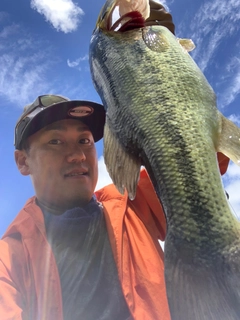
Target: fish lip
point(76, 171)
point(129, 21)
point(115, 17)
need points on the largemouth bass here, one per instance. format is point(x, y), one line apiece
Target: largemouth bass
point(161, 113)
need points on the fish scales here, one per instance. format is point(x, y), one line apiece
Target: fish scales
point(161, 110)
point(179, 137)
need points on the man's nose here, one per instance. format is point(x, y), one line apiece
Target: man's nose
point(75, 154)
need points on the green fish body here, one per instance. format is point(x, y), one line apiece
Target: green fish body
point(161, 113)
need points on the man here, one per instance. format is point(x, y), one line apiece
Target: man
point(70, 254)
point(66, 255)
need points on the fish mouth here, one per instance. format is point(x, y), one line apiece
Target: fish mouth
point(122, 16)
point(129, 21)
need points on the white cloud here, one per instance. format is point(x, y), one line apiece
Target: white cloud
point(25, 68)
point(3, 15)
point(214, 21)
point(233, 79)
point(235, 118)
point(76, 63)
point(9, 30)
point(64, 15)
point(165, 3)
point(23, 65)
point(6, 32)
point(103, 176)
point(18, 85)
point(233, 172)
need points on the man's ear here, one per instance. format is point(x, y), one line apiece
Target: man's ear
point(22, 162)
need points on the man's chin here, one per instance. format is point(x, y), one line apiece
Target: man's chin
point(78, 201)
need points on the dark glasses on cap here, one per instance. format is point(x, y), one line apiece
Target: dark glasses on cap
point(34, 108)
point(41, 102)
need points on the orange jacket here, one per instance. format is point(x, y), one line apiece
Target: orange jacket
point(223, 162)
point(29, 281)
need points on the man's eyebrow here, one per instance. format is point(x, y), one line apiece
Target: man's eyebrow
point(60, 127)
point(55, 126)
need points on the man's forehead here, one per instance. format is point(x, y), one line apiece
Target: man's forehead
point(64, 125)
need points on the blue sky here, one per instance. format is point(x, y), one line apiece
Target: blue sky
point(44, 49)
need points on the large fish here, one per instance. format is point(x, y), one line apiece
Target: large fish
point(161, 113)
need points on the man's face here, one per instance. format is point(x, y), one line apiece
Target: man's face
point(62, 163)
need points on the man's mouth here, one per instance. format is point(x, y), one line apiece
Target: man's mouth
point(76, 173)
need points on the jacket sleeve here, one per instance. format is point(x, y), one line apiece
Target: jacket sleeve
point(153, 215)
point(11, 300)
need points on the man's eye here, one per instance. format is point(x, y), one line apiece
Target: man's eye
point(55, 141)
point(84, 141)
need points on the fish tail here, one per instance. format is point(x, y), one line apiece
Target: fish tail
point(206, 294)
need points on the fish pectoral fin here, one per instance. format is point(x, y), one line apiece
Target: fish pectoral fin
point(187, 44)
point(123, 168)
point(229, 140)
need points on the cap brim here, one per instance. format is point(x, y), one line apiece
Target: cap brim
point(60, 111)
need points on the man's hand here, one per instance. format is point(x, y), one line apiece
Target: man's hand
point(159, 16)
